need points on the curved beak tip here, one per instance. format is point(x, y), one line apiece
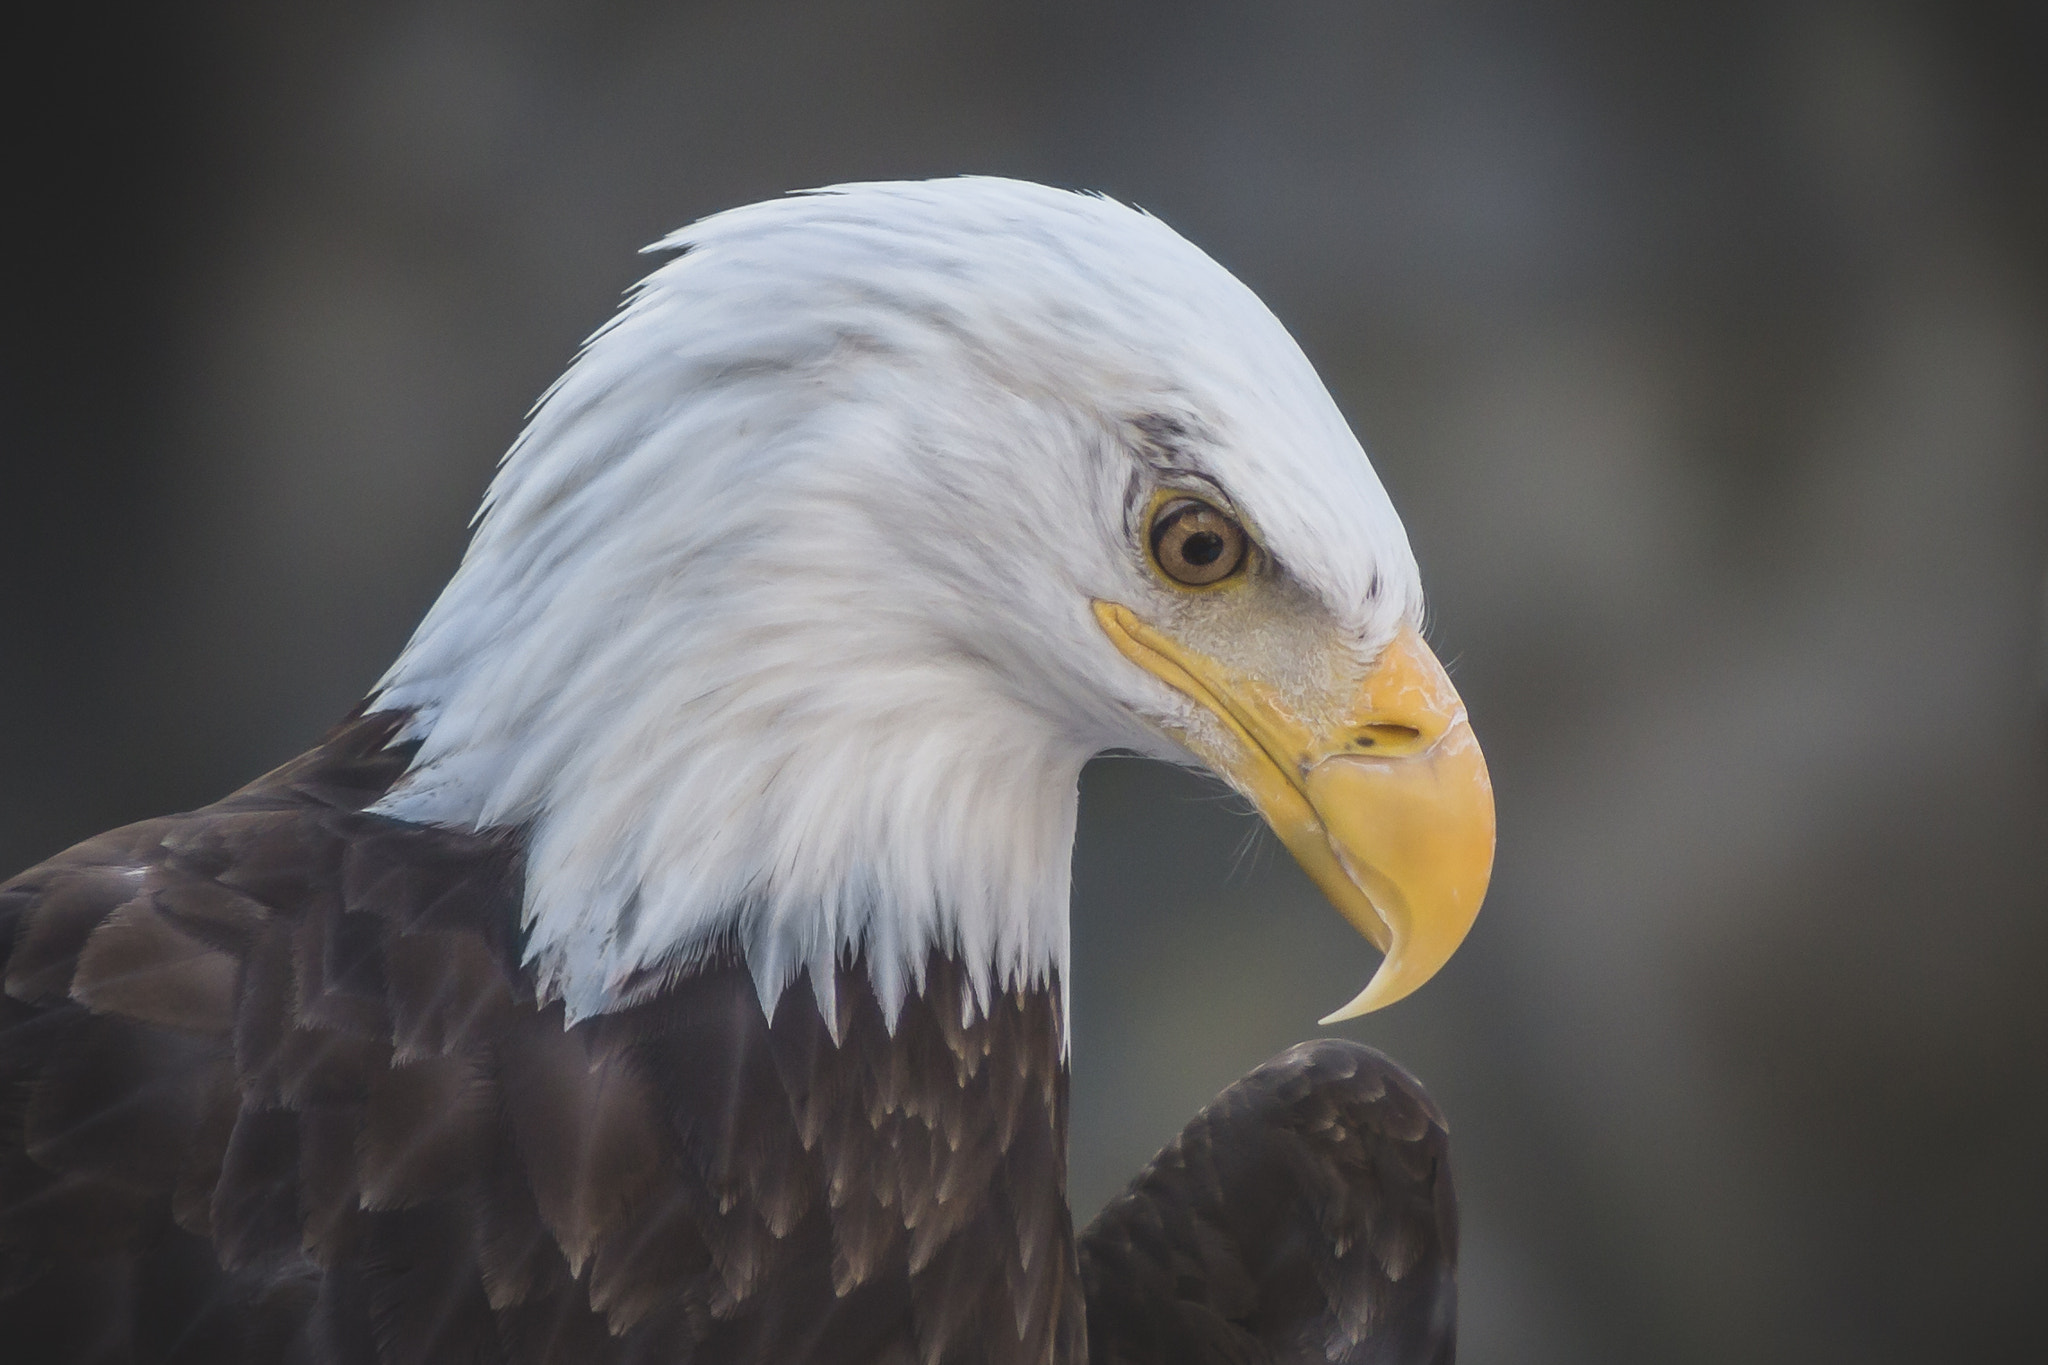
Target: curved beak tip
point(1394, 981)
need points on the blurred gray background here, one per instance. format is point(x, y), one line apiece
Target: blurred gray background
point(1704, 347)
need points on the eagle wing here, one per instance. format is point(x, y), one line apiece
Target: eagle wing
point(275, 1087)
point(1306, 1215)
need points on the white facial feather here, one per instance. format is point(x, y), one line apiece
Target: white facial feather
point(775, 633)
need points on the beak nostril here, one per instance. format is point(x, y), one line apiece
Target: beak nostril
point(1386, 736)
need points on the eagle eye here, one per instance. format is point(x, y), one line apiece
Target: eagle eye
point(1194, 544)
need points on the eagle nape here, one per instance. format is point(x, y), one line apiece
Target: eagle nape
point(668, 960)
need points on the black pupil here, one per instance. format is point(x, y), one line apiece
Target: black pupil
point(1202, 548)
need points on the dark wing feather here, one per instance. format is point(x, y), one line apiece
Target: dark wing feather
point(1305, 1216)
point(275, 1087)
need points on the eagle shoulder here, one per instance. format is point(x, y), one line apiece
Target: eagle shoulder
point(275, 1085)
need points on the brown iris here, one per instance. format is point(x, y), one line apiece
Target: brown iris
point(1196, 545)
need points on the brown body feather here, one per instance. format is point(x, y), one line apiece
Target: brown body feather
point(1306, 1215)
point(275, 1087)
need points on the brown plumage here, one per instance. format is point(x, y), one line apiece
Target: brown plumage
point(274, 1086)
point(1306, 1215)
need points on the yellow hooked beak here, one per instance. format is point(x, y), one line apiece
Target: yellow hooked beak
point(1387, 807)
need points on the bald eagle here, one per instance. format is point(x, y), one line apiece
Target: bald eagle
point(667, 962)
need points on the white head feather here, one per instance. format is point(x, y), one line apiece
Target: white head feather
point(775, 628)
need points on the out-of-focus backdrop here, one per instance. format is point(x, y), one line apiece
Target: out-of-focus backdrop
point(1704, 347)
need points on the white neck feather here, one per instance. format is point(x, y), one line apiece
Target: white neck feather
point(803, 790)
point(735, 708)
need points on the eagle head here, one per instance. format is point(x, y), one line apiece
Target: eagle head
point(793, 614)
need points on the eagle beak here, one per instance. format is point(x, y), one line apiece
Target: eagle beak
point(1385, 802)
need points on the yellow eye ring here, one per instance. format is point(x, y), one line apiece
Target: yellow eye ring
point(1194, 544)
